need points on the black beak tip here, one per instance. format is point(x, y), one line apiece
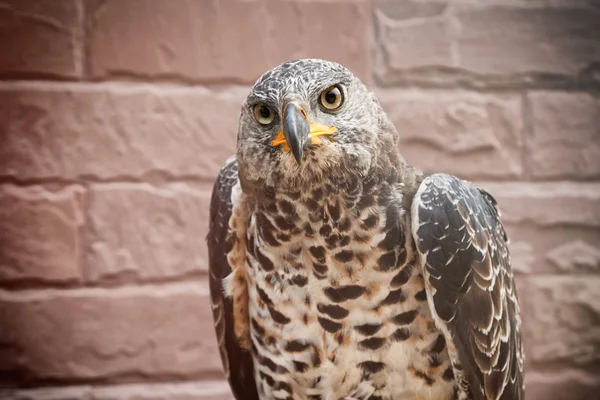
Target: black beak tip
point(298, 154)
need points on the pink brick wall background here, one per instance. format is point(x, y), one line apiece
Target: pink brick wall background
point(115, 116)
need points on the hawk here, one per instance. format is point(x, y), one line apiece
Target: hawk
point(340, 271)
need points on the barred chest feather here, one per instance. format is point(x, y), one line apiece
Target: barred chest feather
point(337, 304)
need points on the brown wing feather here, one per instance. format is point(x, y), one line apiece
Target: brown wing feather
point(237, 360)
point(466, 260)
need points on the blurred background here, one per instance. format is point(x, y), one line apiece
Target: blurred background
point(116, 115)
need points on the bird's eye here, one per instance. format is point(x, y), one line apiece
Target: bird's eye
point(332, 98)
point(263, 114)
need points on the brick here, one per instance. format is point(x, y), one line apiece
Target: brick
point(563, 249)
point(576, 256)
point(196, 39)
point(41, 38)
point(141, 333)
point(143, 232)
point(507, 40)
point(209, 390)
point(561, 320)
point(468, 134)
point(413, 34)
point(64, 393)
point(489, 43)
point(182, 391)
point(556, 204)
point(566, 385)
point(110, 130)
point(40, 232)
point(566, 137)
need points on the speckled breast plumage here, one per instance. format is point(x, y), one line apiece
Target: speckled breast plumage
point(337, 306)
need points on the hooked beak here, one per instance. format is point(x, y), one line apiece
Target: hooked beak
point(297, 133)
point(295, 130)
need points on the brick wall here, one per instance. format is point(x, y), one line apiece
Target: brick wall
point(115, 116)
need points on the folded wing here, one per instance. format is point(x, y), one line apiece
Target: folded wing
point(470, 287)
point(229, 325)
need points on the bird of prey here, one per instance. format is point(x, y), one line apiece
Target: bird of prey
point(340, 271)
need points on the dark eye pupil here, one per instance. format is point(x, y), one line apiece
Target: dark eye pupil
point(264, 112)
point(331, 97)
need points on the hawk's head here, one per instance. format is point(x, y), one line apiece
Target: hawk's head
point(309, 119)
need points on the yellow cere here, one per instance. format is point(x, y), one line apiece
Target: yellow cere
point(316, 130)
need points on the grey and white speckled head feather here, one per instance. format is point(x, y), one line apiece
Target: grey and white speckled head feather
point(365, 139)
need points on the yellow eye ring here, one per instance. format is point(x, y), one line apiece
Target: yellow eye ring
point(263, 114)
point(332, 98)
